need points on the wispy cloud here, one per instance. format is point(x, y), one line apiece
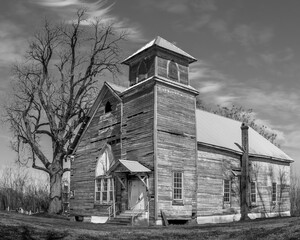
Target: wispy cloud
point(11, 47)
point(248, 35)
point(58, 3)
point(277, 57)
point(210, 87)
point(95, 10)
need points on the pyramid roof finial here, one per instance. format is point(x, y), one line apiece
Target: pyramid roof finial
point(161, 43)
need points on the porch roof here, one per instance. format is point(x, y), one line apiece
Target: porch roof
point(128, 166)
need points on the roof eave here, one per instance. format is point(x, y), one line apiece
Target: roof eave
point(250, 154)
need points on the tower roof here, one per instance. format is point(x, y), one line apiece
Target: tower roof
point(160, 42)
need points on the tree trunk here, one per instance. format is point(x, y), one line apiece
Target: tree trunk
point(55, 205)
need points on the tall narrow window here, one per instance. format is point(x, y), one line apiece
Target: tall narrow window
point(104, 190)
point(104, 185)
point(108, 107)
point(142, 71)
point(173, 71)
point(178, 186)
point(274, 192)
point(226, 191)
point(253, 192)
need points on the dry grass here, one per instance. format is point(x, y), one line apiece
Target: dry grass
point(15, 226)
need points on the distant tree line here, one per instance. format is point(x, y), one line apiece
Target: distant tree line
point(295, 195)
point(18, 190)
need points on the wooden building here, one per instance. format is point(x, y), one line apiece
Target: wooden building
point(146, 149)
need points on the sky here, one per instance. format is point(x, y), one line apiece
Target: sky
point(248, 52)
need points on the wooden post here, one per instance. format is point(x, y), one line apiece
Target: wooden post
point(245, 173)
point(114, 199)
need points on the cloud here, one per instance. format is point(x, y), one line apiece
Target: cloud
point(12, 45)
point(58, 3)
point(210, 87)
point(277, 57)
point(172, 6)
point(205, 5)
point(293, 138)
point(98, 10)
point(248, 36)
point(220, 28)
point(203, 70)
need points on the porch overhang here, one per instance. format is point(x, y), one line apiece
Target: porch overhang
point(128, 166)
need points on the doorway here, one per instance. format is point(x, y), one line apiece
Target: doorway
point(137, 195)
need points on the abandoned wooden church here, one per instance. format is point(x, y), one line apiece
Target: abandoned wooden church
point(147, 151)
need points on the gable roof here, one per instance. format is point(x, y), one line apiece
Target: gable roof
point(116, 90)
point(160, 42)
point(224, 132)
point(128, 166)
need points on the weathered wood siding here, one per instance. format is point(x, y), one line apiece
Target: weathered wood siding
point(265, 172)
point(176, 149)
point(137, 130)
point(162, 67)
point(104, 128)
point(133, 71)
point(214, 166)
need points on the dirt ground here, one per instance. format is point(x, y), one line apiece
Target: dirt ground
point(17, 226)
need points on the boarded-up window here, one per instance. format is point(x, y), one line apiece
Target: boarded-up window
point(253, 192)
point(177, 186)
point(274, 191)
point(173, 71)
point(226, 191)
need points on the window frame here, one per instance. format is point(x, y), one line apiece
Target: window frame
point(140, 75)
point(274, 193)
point(108, 107)
point(177, 68)
point(177, 201)
point(226, 192)
point(253, 194)
point(109, 191)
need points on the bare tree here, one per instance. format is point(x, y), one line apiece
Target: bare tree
point(54, 90)
point(295, 195)
point(283, 188)
point(246, 116)
point(18, 189)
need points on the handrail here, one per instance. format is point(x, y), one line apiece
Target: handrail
point(112, 210)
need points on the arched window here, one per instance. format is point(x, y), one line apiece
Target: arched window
point(104, 184)
point(142, 71)
point(108, 107)
point(173, 71)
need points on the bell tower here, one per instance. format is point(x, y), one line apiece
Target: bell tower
point(160, 126)
point(159, 58)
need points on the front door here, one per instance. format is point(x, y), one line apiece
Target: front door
point(137, 195)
